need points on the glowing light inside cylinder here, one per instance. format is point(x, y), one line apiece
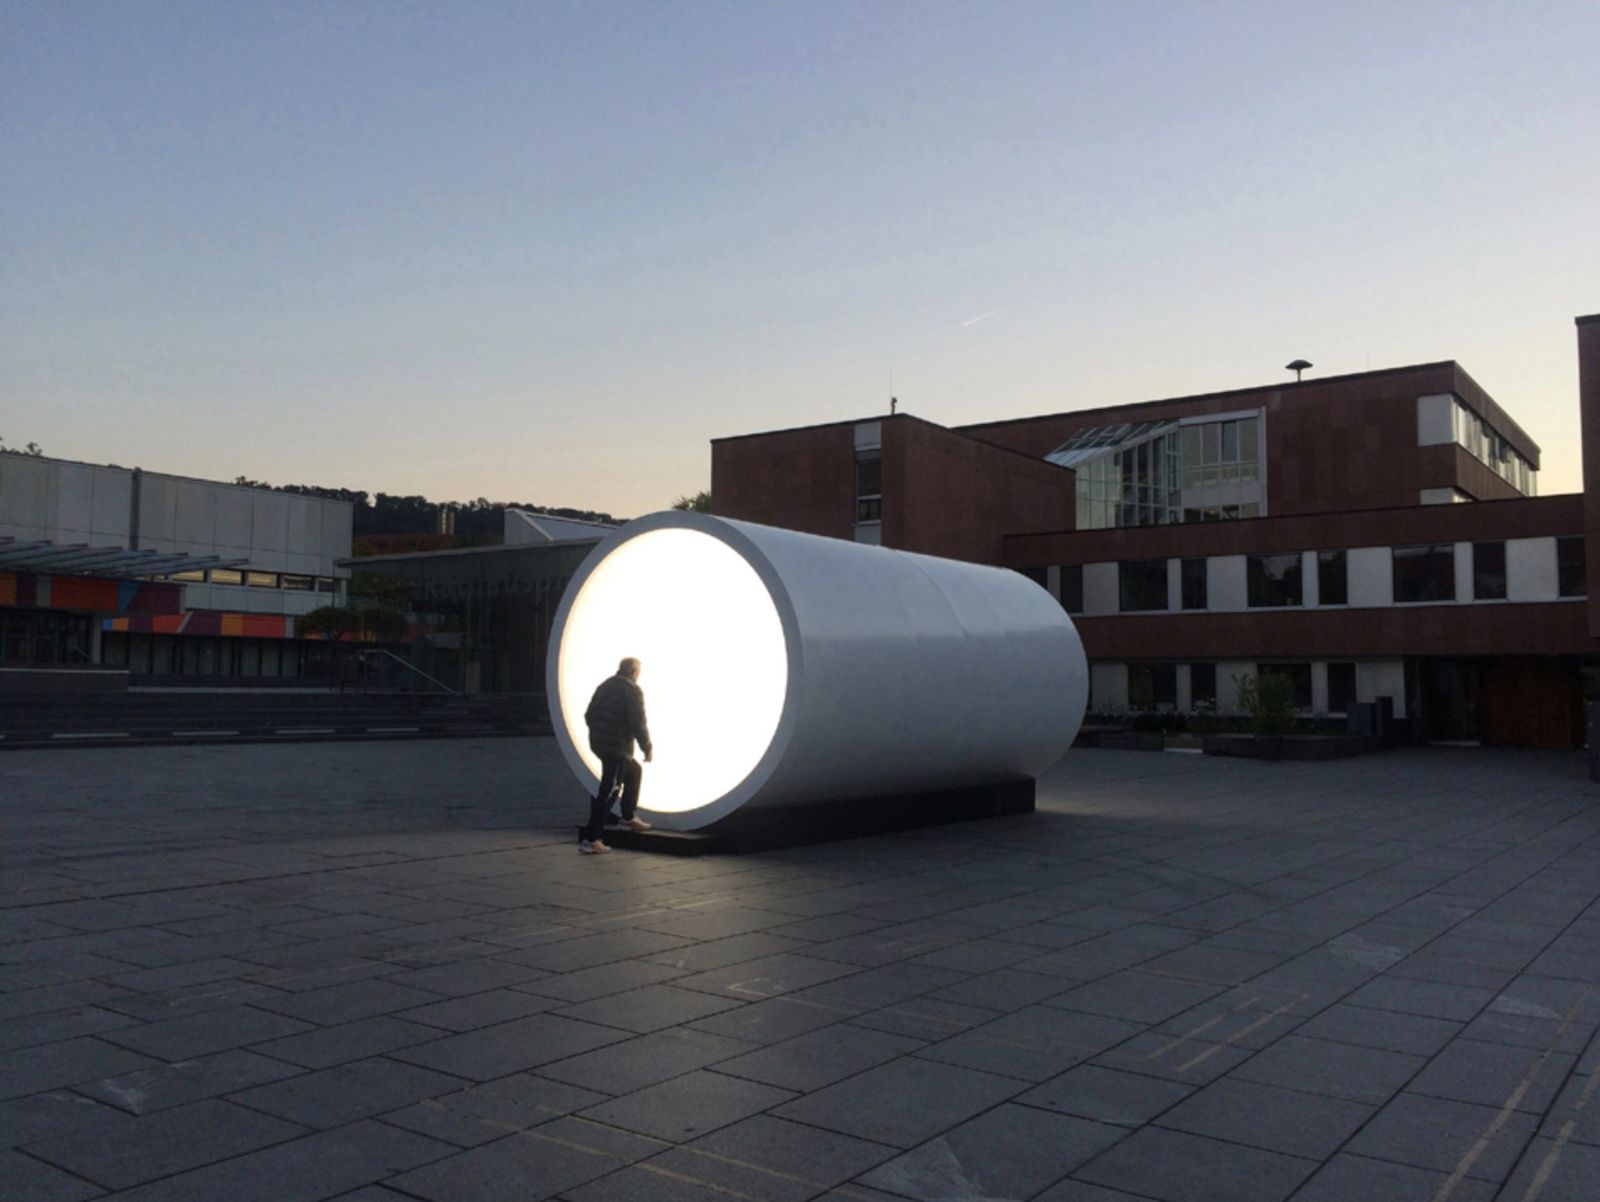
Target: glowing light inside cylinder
point(716, 665)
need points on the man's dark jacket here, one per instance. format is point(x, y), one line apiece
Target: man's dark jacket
point(616, 718)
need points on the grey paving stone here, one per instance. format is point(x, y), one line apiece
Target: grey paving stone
point(507, 1048)
point(58, 1112)
point(1005, 989)
point(770, 1158)
point(1387, 1029)
point(69, 1062)
point(1434, 1133)
point(1177, 1167)
point(979, 956)
point(768, 977)
point(304, 1170)
point(901, 1103)
point(159, 1145)
point(334, 1096)
point(1033, 1044)
point(1347, 1177)
point(720, 953)
point(1338, 1070)
point(46, 999)
point(145, 1091)
point(1492, 1074)
point(650, 1008)
point(1181, 1058)
point(485, 1113)
point(1558, 1173)
point(623, 1068)
point(925, 1019)
point(588, 983)
point(1073, 1190)
point(820, 1057)
point(875, 988)
point(30, 1180)
point(1009, 1152)
point(461, 977)
point(1107, 1095)
point(1264, 1116)
point(1459, 1003)
point(768, 1021)
point(205, 1032)
point(688, 1106)
point(475, 1010)
point(328, 1046)
point(56, 1025)
point(349, 1001)
point(571, 955)
point(1137, 995)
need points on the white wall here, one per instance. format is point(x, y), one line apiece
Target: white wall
point(1463, 573)
point(1108, 684)
point(1310, 582)
point(1229, 673)
point(1531, 569)
point(1227, 587)
point(1382, 678)
point(1101, 590)
point(64, 502)
point(1371, 576)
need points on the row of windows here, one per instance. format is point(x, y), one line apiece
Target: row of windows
point(1490, 448)
point(1420, 575)
point(249, 578)
point(187, 655)
point(1155, 686)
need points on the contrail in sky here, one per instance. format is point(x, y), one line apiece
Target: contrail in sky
point(983, 317)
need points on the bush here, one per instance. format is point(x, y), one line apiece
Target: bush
point(1269, 700)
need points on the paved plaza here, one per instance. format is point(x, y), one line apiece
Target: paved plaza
point(381, 972)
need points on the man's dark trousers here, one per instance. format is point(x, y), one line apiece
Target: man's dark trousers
point(612, 769)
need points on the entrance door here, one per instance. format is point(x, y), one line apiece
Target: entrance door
point(1449, 699)
point(1532, 703)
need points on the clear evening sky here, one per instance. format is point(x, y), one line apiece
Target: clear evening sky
point(545, 252)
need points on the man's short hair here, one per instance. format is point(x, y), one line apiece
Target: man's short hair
point(628, 666)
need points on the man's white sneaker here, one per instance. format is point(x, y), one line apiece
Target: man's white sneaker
point(595, 848)
point(637, 824)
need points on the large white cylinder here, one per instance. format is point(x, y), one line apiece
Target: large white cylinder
point(784, 668)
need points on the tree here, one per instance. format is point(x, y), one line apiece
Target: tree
point(700, 502)
point(32, 448)
point(1268, 697)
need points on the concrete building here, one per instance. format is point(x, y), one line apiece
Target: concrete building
point(160, 574)
point(1370, 536)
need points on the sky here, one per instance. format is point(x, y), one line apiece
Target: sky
point(544, 252)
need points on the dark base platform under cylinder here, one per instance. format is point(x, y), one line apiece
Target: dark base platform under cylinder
point(764, 829)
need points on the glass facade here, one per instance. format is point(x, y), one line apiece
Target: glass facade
point(1273, 581)
point(1486, 445)
point(1162, 473)
point(1333, 578)
point(1072, 588)
point(1142, 585)
point(1194, 583)
point(1489, 571)
point(1425, 573)
point(1570, 568)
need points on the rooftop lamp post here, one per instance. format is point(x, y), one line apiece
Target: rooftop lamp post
point(1297, 366)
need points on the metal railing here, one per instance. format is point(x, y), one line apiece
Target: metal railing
point(374, 651)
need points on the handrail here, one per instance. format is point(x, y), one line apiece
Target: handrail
point(413, 667)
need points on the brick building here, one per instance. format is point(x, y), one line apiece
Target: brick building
point(1371, 536)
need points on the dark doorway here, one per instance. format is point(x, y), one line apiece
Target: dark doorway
point(1449, 700)
point(1532, 703)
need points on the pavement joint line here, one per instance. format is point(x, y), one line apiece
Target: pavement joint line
point(687, 1179)
point(737, 1163)
point(1492, 1132)
point(1239, 1034)
point(1191, 1033)
point(1552, 1157)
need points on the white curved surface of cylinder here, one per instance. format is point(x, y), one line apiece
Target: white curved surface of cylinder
point(783, 668)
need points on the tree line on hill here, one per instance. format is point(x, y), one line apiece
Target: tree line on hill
point(385, 513)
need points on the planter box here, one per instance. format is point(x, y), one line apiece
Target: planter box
point(1131, 740)
point(1291, 747)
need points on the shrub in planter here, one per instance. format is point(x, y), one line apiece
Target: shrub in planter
point(1269, 700)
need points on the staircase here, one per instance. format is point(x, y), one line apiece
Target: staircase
point(101, 717)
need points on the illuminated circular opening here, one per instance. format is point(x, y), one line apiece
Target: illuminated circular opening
point(715, 661)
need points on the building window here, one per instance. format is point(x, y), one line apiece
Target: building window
point(1569, 568)
point(1202, 684)
point(869, 489)
point(299, 584)
point(1072, 588)
point(1489, 571)
point(1153, 686)
point(226, 576)
point(1341, 687)
point(1274, 580)
point(324, 584)
point(1333, 578)
point(194, 576)
point(261, 579)
point(1037, 575)
point(1194, 584)
point(1299, 675)
point(1142, 585)
point(1425, 573)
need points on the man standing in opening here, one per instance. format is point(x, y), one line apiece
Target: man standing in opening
point(616, 718)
